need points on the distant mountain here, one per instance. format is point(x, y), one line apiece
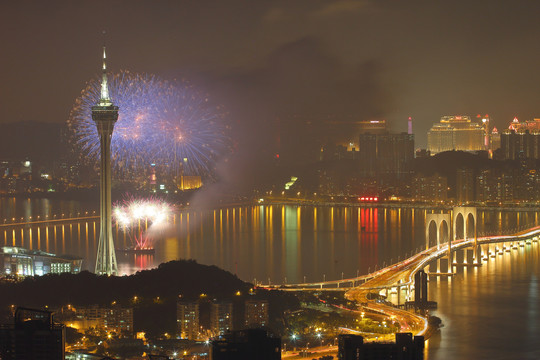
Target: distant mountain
point(37, 141)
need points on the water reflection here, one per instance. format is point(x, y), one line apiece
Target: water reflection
point(263, 242)
point(490, 312)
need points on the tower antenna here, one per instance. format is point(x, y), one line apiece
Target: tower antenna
point(105, 98)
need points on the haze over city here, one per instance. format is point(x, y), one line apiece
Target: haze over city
point(358, 60)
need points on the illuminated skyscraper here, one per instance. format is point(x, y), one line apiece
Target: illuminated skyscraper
point(456, 133)
point(521, 140)
point(495, 139)
point(105, 114)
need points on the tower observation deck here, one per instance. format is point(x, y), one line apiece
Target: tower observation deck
point(105, 114)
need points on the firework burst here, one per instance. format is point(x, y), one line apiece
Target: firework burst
point(160, 122)
point(137, 216)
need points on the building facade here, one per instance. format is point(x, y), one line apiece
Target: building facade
point(256, 313)
point(520, 144)
point(116, 319)
point(386, 156)
point(465, 185)
point(456, 133)
point(430, 188)
point(187, 319)
point(221, 317)
point(406, 347)
point(16, 261)
point(34, 335)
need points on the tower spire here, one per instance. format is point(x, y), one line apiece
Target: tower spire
point(105, 99)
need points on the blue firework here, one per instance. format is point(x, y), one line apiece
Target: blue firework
point(160, 122)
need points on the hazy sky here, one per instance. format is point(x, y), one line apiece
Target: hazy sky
point(283, 59)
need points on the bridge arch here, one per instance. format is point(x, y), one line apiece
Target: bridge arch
point(441, 223)
point(464, 226)
point(465, 218)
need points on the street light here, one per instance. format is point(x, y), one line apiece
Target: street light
point(319, 335)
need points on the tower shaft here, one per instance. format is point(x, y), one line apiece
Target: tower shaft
point(105, 115)
point(105, 118)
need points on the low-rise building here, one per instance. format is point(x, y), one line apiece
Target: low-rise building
point(17, 261)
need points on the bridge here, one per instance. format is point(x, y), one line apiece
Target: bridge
point(399, 277)
point(45, 220)
point(401, 274)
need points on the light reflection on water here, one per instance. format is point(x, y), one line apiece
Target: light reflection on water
point(268, 243)
point(488, 312)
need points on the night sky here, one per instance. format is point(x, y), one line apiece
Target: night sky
point(287, 60)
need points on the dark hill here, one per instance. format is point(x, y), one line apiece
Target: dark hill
point(185, 277)
point(157, 291)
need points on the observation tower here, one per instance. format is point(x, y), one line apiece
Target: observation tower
point(105, 114)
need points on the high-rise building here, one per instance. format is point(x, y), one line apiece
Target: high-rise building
point(494, 185)
point(520, 144)
point(256, 313)
point(221, 317)
point(495, 139)
point(189, 182)
point(105, 114)
point(34, 335)
point(522, 126)
point(465, 185)
point(395, 153)
point(345, 133)
point(456, 133)
point(386, 156)
point(367, 155)
point(187, 319)
point(430, 188)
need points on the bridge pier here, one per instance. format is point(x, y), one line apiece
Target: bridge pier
point(460, 257)
point(408, 292)
point(477, 255)
point(486, 252)
point(451, 261)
